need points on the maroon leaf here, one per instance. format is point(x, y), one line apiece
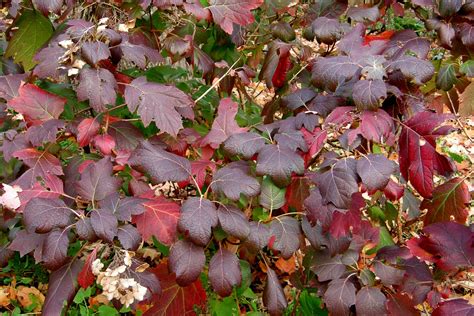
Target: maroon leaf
point(388, 274)
point(279, 163)
point(127, 137)
point(160, 164)
point(123, 208)
point(224, 124)
point(233, 180)
point(330, 71)
point(298, 98)
point(417, 149)
point(226, 13)
point(245, 144)
point(376, 126)
point(457, 306)
point(129, 237)
point(287, 232)
point(277, 55)
point(97, 181)
point(198, 217)
point(233, 221)
point(42, 164)
point(139, 54)
point(104, 143)
point(296, 193)
point(86, 277)
point(9, 85)
point(87, 129)
point(104, 224)
point(42, 215)
point(98, 86)
point(326, 30)
point(49, 59)
point(37, 105)
point(340, 296)
point(368, 94)
point(400, 304)
point(160, 219)
point(93, 52)
point(413, 68)
point(224, 272)
point(48, 6)
point(158, 103)
point(259, 235)
point(186, 260)
point(450, 200)
point(51, 187)
point(375, 170)
point(12, 142)
point(315, 140)
point(25, 242)
point(292, 140)
point(273, 296)
point(62, 287)
point(54, 252)
point(46, 132)
point(370, 301)
point(327, 267)
point(358, 14)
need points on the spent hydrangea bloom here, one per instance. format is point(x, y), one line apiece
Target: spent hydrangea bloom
point(10, 198)
point(97, 266)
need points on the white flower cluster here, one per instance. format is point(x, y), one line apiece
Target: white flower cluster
point(10, 198)
point(116, 284)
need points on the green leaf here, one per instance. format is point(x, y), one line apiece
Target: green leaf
point(34, 30)
point(227, 306)
point(385, 240)
point(311, 305)
point(467, 68)
point(105, 310)
point(271, 197)
point(446, 77)
point(246, 277)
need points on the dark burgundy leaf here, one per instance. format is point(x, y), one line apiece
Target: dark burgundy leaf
point(400, 304)
point(139, 54)
point(104, 224)
point(97, 181)
point(298, 98)
point(127, 137)
point(37, 105)
point(198, 217)
point(279, 163)
point(224, 272)
point(308, 120)
point(233, 221)
point(329, 72)
point(46, 132)
point(62, 287)
point(12, 142)
point(160, 219)
point(340, 296)
point(273, 296)
point(325, 104)
point(54, 253)
point(86, 130)
point(42, 215)
point(259, 235)
point(326, 267)
point(388, 274)
point(25, 242)
point(186, 260)
point(48, 6)
point(448, 7)
point(327, 30)
point(360, 14)
point(245, 144)
point(286, 231)
point(292, 140)
point(84, 229)
point(49, 59)
point(375, 170)
point(93, 52)
point(277, 55)
point(232, 180)
point(458, 307)
point(123, 208)
point(224, 124)
point(226, 13)
point(283, 31)
point(370, 301)
point(98, 86)
point(369, 94)
point(418, 157)
point(159, 164)
point(129, 237)
point(317, 209)
point(413, 68)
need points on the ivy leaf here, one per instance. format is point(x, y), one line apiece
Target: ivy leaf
point(42, 215)
point(158, 103)
point(160, 164)
point(54, 253)
point(198, 217)
point(97, 181)
point(224, 272)
point(104, 224)
point(279, 163)
point(176, 300)
point(233, 180)
point(340, 296)
point(287, 232)
point(129, 237)
point(224, 124)
point(186, 260)
point(98, 86)
point(370, 301)
point(451, 199)
point(233, 221)
point(246, 144)
point(271, 197)
point(37, 105)
point(368, 94)
point(418, 157)
point(62, 287)
point(34, 30)
point(226, 13)
point(160, 219)
point(375, 170)
point(273, 296)
point(338, 183)
point(466, 105)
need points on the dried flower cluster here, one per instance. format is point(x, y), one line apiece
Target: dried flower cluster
point(116, 284)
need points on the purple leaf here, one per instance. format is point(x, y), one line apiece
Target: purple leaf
point(54, 253)
point(105, 224)
point(327, 267)
point(233, 221)
point(46, 132)
point(84, 229)
point(273, 296)
point(370, 301)
point(388, 274)
point(126, 136)
point(25, 242)
point(292, 140)
point(9, 85)
point(458, 307)
point(123, 208)
point(186, 260)
point(298, 98)
point(140, 55)
point(97, 181)
point(42, 215)
point(224, 272)
point(359, 14)
point(340, 296)
point(329, 72)
point(376, 126)
point(259, 235)
point(286, 231)
point(327, 30)
point(233, 181)
point(48, 6)
point(375, 170)
point(368, 94)
point(246, 144)
point(98, 86)
point(198, 217)
point(93, 52)
point(279, 163)
point(418, 70)
point(226, 13)
point(129, 237)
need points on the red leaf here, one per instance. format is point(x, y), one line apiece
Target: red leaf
point(52, 188)
point(315, 141)
point(450, 199)
point(296, 193)
point(37, 105)
point(226, 13)
point(87, 129)
point(42, 163)
point(86, 277)
point(199, 170)
point(105, 143)
point(284, 65)
point(384, 36)
point(393, 191)
point(174, 299)
point(160, 219)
